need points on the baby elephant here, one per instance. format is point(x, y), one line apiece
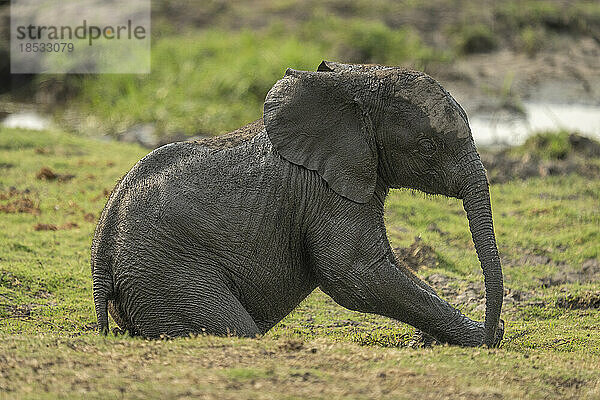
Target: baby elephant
point(228, 235)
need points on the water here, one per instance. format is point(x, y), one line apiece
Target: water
point(27, 120)
point(488, 129)
point(503, 129)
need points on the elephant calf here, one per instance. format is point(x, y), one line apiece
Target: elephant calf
point(228, 235)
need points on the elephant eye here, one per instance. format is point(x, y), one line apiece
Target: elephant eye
point(427, 146)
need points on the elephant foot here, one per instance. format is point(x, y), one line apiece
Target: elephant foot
point(499, 334)
point(118, 331)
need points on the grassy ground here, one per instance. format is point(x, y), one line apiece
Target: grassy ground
point(53, 187)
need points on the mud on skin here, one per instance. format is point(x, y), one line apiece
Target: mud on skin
point(228, 235)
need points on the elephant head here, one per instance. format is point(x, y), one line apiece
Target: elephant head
point(359, 126)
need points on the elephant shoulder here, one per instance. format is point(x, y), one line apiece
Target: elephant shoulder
point(233, 139)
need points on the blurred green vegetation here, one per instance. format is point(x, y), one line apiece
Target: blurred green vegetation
point(549, 145)
point(557, 145)
point(201, 83)
point(576, 17)
point(214, 61)
point(477, 38)
point(213, 81)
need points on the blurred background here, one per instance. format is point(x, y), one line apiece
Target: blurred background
point(516, 66)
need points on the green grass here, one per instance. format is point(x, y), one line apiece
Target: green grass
point(48, 348)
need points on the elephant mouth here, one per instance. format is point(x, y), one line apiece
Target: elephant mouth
point(430, 181)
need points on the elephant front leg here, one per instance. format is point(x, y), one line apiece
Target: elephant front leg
point(382, 288)
point(419, 338)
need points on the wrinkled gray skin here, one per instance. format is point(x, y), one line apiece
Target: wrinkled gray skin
point(228, 235)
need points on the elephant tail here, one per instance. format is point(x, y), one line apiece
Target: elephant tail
point(103, 291)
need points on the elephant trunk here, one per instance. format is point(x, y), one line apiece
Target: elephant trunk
point(476, 202)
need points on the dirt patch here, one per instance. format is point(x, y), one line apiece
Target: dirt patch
point(570, 154)
point(343, 322)
point(90, 327)
point(561, 382)
point(17, 311)
point(433, 227)
point(291, 345)
point(418, 255)
point(89, 217)
point(442, 284)
point(20, 202)
point(68, 225)
point(47, 174)
point(42, 294)
point(473, 293)
point(45, 227)
point(531, 257)
point(382, 339)
point(13, 192)
point(578, 302)
point(9, 280)
point(105, 194)
point(589, 272)
point(52, 227)
point(537, 259)
point(585, 146)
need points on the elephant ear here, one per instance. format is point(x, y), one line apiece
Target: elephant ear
point(313, 120)
point(329, 66)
